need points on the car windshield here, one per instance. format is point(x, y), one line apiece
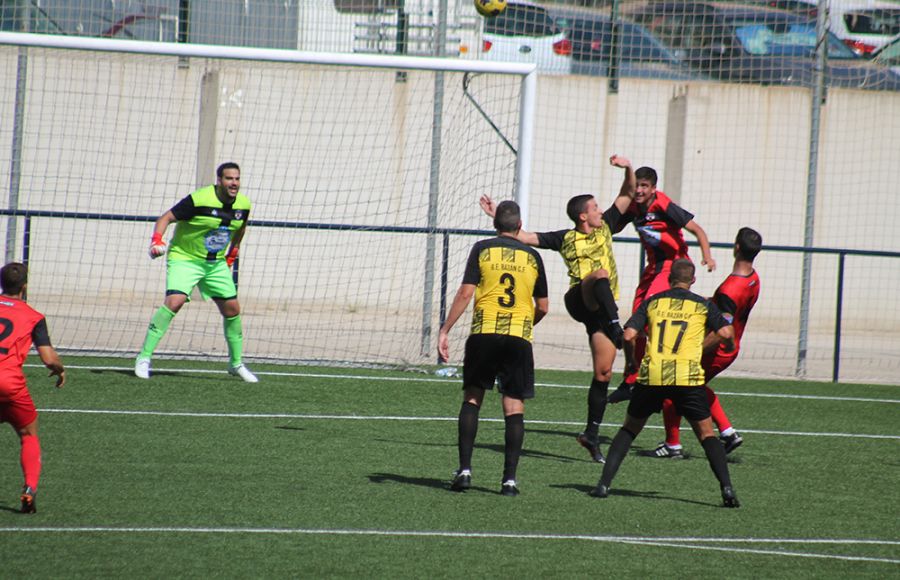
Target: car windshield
point(878, 21)
point(520, 20)
point(636, 43)
point(890, 54)
point(791, 39)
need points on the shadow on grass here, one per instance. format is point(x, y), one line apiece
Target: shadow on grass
point(428, 482)
point(655, 495)
point(490, 447)
point(419, 481)
point(180, 373)
point(290, 428)
point(604, 440)
point(651, 453)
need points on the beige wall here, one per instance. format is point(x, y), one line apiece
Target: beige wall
point(122, 137)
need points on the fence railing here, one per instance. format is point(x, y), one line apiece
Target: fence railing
point(443, 268)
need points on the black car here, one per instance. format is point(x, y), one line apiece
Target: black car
point(741, 43)
point(640, 55)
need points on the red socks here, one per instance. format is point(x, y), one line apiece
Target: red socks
point(31, 460)
point(672, 420)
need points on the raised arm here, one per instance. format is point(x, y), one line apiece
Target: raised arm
point(629, 183)
point(700, 234)
point(489, 206)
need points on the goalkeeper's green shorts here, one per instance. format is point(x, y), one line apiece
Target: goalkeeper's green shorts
point(213, 279)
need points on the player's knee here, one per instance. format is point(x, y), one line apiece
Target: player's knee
point(28, 430)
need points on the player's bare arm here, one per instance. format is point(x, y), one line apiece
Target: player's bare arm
point(51, 360)
point(157, 244)
point(460, 303)
point(628, 339)
point(489, 206)
point(700, 234)
point(629, 183)
point(726, 337)
point(541, 308)
point(234, 250)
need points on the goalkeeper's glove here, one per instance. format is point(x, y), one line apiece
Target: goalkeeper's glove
point(231, 256)
point(157, 246)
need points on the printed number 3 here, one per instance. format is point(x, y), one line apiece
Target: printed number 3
point(7, 325)
point(510, 282)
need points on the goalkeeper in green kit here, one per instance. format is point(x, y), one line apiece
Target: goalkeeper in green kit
point(207, 221)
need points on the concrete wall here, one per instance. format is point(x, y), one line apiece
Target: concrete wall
point(124, 135)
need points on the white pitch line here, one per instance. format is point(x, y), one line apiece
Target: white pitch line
point(456, 380)
point(686, 542)
point(409, 418)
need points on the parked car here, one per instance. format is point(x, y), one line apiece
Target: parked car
point(743, 43)
point(889, 56)
point(640, 55)
point(525, 32)
point(863, 25)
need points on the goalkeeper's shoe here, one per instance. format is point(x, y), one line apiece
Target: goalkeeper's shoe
point(142, 368)
point(462, 480)
point(731, 442)
point(592, 444)
point(28, 501)
point(243, 372)
point(664, 450)
point(729, 499)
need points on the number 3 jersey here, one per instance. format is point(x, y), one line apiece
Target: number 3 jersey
point(677, 321)
point(205, 225)
point(508, 276)
point(20, 327)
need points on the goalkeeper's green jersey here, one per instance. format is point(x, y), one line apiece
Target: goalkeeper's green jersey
point(205, 225)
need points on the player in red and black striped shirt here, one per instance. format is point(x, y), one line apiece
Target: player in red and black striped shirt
point(659, 222)
point(735, 297)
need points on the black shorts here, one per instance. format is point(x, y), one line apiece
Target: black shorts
point(509, 359)
point(690, 402)
point(593, 321)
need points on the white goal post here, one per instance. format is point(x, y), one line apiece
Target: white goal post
point(364, 172)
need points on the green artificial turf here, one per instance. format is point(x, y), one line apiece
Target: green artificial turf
point(318, 472)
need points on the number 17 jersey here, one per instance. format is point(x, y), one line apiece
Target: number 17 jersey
point(508, 276)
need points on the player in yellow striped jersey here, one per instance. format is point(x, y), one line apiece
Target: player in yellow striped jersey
point(509, 284)
point(587, 252)
point(678, 323)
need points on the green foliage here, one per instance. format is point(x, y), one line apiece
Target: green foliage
point(342, 472)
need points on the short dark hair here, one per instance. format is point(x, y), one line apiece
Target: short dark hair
point(577, 205)
point(748, 242)
point(682, 272)
point(13, 277)
point(646, 173)
point(227, 165)
point(507, 217)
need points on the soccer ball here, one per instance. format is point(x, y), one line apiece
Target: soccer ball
point(490, 8)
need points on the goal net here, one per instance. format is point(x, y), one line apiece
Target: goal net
point(364, 173)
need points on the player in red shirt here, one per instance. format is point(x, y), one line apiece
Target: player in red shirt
point(735, 297)
point(658, 221)
point(20, 327)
